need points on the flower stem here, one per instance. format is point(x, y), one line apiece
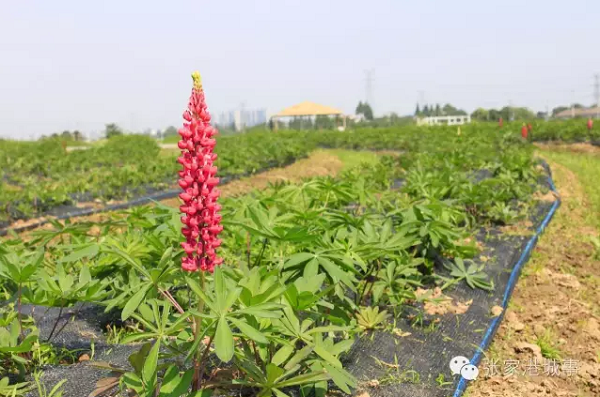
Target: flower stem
point(198, 359)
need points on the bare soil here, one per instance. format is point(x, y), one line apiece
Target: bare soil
point(554, 312)
point(569, 147)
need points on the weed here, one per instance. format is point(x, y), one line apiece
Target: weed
point(547, 346)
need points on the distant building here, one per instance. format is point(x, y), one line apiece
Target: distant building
point(241, 119)
point(593, 112)
point(444, 120)
point(357, 118)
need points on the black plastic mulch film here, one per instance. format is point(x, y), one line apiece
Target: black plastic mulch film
point(404, 366)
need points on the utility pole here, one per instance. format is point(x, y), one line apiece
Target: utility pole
point(369, 85)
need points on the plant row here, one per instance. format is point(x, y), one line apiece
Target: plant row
point(36, 177)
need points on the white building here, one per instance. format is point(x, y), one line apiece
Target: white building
point(444, 120)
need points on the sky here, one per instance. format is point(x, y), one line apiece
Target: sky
point(79, 64)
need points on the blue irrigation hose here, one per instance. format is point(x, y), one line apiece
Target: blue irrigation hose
point(514, 276)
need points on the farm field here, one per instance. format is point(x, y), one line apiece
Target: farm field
point(39, 179)
point(343, 247)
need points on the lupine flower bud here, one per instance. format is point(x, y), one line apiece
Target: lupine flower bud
point(198, 181)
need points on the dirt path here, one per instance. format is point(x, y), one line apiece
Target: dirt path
point(569, 147)
point(554, 312)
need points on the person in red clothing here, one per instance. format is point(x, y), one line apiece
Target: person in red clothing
point(529, 127)
point(524, 131)
point(500, 122)
point(590, 124)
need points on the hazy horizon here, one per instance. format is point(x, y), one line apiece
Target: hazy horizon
point(73, 65)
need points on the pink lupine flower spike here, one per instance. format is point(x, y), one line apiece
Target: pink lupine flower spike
point(198, 180)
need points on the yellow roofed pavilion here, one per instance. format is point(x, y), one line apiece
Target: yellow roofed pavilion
point(308, 109)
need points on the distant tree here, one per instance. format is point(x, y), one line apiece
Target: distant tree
point(559, 109)
point(522, 113)
point(66, 135)
point(366, 110)
point(494, 115)
point(426, 111)
point(541, 115)
point(271, 124)
point(480, 114)
point(54, 135)
point(170, 131)
point(360, 108)
point(324, 123)
point(77, 136)
point(418, 110)
point(111, 130)
point(438, 110)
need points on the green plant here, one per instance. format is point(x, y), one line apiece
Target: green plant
point(471, 274)
point(549, 350)
point(370, 318)
point(14, 390)
point(56, 390)
point(596, 243)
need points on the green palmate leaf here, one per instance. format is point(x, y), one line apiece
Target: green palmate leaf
point(311, 377)
point(175, 384)
point(336, 272)
point(340, 377)
point(223, 340)
point(150, 366)
point(198, 291)
point(327, 356)
point(133, 382)
point(89, 252)
point(273, 373)
point(282, 354)
point(263, 310)
point(327, 328)
point(134, 303)
point(300, 356)
point(165, 257)
point(85, 276)
point(297, 259)
point(249, 331)
point(311, 269)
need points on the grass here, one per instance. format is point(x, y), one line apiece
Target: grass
point(352, 159)
point(587, 168)
point(547, 346)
